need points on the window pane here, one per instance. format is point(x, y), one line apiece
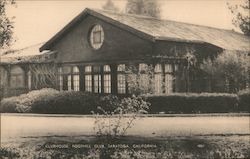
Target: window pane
point(96, 37)
point(88, 83)
point(97, 83)
point(29, 80)
point(121, 67)
point(107, 83)
point(69, 82)
point(176, 66)
point(121, 83)
point(3, 76)
point(97, 69)
point(168, 68)
point(75, 69)
point(88, 69)
point(76, 82)
point(17, 77)
point(158, 83)
point(60, 70)
point(168, 83)
point(158, 68)
point(106, 68)
point(60, 82)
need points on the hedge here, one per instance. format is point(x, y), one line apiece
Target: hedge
point(66, 103)
point(193, 103)
point(244, 100)
point(51, 101)
point(24, 102)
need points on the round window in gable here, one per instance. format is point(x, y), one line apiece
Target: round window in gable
point(96, 37)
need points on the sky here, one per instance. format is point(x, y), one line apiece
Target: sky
point(37, 21)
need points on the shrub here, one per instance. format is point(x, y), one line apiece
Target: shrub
point(66, 103)
point(8, 105)
point(118, 115)
point(24, 102)
point(193, 103)
point(244, 100)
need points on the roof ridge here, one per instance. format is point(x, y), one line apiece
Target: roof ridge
point(166, 20)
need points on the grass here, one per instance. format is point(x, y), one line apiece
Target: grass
point(217, 146)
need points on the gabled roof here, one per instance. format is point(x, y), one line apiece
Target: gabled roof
point(156, 29)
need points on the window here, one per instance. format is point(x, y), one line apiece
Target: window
point(97, 84)
point(88, 78)
point(106, 68)
point(168, 83)
point(168, 78)
point(69, 82)
point(121, 79)
point(121, 67)
point(88, 69)
point(144, 78)
point(88, 83)
point(107, 79)
point(143, 67)
point(17, 77)
point(3, 77)
point(97, 79)
point(158, 79)
point(176, 67)
point(76, 78)
point(60, 78)
point(29, 80)
point(96, 37)
point(168, 68)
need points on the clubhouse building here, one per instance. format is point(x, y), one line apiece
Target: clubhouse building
point(92, 53)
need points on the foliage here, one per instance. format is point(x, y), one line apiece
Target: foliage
point(241, 13)
point(6, 24)
point(194, 103)
point(244, 100)
point(231, 67)
point(143, 7)
point(43, 75)
point(67, 102)
point(213, 147)
point(115, 116)
point(8, 105)
point(109, 5)
point(140, 82)
point(24, 102)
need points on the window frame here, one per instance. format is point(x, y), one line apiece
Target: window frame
point(96, 36)
point(121, 86)
point(107, 83)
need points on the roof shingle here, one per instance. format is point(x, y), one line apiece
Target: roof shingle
point(158, 29)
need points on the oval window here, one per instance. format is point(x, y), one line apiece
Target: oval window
point(96, 37)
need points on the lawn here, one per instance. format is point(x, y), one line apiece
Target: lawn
point(36, 136)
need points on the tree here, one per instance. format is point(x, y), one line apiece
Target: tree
point(241, 16)
point(43, 75)
point(140, 81)
point(109, 5)
point(6, 24)
point(143, 7)
point(230, 69)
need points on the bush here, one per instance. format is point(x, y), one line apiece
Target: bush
point(244, 100)
point(66, 103)
point(8, 105)
point(24, 102)
point(193, 103)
